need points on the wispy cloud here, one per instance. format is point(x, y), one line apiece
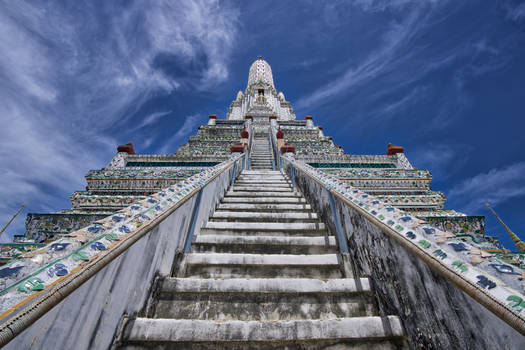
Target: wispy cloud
point(398, 35)
point(439, 158)
point(516, 13)
point(495, 186)
point(71, 77)
point(383, 5)
point(152, 118)
point(416, 94)
point(190, 123)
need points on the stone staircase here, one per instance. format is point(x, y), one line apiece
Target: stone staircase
point(261, 154)
point(264, 272)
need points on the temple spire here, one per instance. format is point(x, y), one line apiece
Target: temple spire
point(519, 244)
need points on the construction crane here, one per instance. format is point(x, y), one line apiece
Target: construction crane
point(12, 218)
point(519, 244)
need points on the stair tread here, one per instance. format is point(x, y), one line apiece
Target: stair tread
point(166, 330)
point(266, 226)
point(261, 259)
point(265, 285)
point(293, 240)
point(224, 214)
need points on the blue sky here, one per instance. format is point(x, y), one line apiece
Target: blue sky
point(442, 78)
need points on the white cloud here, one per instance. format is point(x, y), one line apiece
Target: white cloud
point(70, 77)
point(438, 158)
point(416, 94)
point(152, 118)
point(189, 125)
point(377, 62)
point(494, 187)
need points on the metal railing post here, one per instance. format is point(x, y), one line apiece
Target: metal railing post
point(343, 246)
point(292, 175)
point(233, 173)
point(191, 229)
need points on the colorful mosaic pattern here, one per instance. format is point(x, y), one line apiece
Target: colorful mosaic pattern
point(488, 272)
point(43, 267)
point(40, 226)
point(86, 200)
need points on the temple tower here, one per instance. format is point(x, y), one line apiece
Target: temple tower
point(260, 232)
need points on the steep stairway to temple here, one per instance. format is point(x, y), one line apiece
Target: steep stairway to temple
point(264, 272)
point(261, 154)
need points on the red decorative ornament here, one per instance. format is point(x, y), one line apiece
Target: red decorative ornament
point(391, 150)
point(287, 148)
point(237, 148)
point(127, 148)
point(280, 133)
point(244, 133)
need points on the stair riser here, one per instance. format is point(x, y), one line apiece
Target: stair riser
point(261, 249)
point(262, 307)
point(309, 233)
point(263, 200)
point(263, 183)
point(258, 271)
point(262, 188)
point(240, 184)
point(354, 328)
point(263, 194)
point(271, 176)
point(320, 344)
point(263, 220)
point(223, 214)
point(265, 207)
point(268, 226)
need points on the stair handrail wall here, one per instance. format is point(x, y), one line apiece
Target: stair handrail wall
point(248, 159)
point(139, 219)
point(275, 149)
point(270, 144)
point(498, 299)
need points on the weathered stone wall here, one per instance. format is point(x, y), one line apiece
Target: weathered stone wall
point(90, 316)
point(435, 313)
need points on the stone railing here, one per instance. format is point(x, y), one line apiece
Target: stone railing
point(35, 282)
point(402, 255)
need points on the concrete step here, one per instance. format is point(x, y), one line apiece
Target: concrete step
point(266, 226)
point(264, 207)
point(277, 177)
point(366, 330)
point(262, 259)
point(268, 200)
point(260, 172)
point(268, 178)
point(278, 233)
point(274, 299)
point(262, 188)
point(264, 216)
point(252, 194)
point(217, 265)
point(252, 184)
point(265, 285)
point(264, 244)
